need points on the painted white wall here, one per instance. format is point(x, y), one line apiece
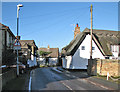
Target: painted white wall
point(86, 53)
point(41, 59)
point(64, 62)
point(35, 61)
point(53, 61)
point(32, 57)
point(69, 61)
point(79, 62)
point(30, 63)
point(115, 50)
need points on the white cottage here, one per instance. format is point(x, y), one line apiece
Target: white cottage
point(52, 57)
point(105, 45)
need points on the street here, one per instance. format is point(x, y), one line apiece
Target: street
point(47, 79)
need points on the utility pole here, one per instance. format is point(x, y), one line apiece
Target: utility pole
point(91, 9)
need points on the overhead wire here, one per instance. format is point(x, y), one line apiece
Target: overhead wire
point(46, 14)
point(55, 23)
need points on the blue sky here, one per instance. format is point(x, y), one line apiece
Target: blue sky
point(52, 22)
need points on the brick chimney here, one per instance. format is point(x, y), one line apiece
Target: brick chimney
point(48, 46)
point(77, 30)
point(18, 37)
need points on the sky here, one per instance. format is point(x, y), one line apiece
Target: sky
point(53, 22)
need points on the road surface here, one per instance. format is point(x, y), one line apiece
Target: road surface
point(47, 79)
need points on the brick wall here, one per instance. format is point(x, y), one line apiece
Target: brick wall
point(102, 66)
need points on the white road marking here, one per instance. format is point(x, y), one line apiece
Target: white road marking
point(67, 72)
point(67, 86)
point(54, 68)
point(98, 84)
point(67, 75)
point(30, 80)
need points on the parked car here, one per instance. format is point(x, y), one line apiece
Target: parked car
point(22, 67)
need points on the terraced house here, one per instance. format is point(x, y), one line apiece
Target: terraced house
point(28, 52)
point(7, 39)
point(106, 45)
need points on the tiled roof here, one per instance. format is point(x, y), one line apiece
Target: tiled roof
point(4, 27)
point(26, 43)
point(54, 51)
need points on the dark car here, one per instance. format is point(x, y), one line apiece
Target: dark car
point(22, 67)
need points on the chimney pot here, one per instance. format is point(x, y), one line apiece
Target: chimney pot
point(77, 25)
point(77, 30)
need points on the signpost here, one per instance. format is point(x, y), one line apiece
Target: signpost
point(17, 46)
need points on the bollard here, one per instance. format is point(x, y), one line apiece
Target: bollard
point(107, 75)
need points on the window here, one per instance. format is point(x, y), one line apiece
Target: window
point(93, 48)
point(114, 48)
point(106, 57)
point(83, 47)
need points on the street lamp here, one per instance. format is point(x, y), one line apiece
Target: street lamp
point(18, 8)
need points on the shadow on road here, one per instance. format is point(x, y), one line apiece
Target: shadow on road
point(48, 79)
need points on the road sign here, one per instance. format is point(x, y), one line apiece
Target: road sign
point(17, 45)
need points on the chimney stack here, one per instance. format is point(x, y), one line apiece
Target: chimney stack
point(48, 46)
point(77, 30)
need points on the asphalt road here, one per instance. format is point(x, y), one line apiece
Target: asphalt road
point(47, 79)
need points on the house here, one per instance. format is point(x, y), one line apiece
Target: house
point(7, 39)
point(52, 55)
point(28, 51)
point(105, 45)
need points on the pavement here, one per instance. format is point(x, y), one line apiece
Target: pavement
point(92, 79)
point(19, 83)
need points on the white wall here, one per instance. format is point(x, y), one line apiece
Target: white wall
point(69, 61)
point(33, 61)
point(64, 62)
point(79, 62)
point(115, 50)
point(86, 53)
point(53, 61)
point(32, 57)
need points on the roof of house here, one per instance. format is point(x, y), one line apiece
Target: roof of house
point(54, 52)
point(4, 27)
point(102, 38)
point(26, 43)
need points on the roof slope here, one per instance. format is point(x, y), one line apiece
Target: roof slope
point(4, 27)
point(54, 51)
point(26, 43)
point(103, 39)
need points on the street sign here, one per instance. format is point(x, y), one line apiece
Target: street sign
point(17, 45)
